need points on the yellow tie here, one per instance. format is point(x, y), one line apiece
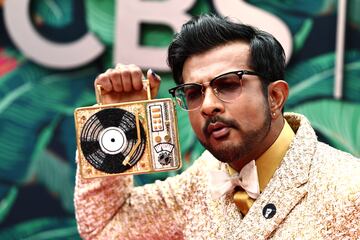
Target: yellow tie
point(243, 201)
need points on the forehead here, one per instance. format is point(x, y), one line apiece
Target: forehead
point(205, 66)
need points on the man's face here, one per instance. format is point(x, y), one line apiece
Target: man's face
point(231, 131)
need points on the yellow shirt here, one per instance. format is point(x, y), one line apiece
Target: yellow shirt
point(269, 161)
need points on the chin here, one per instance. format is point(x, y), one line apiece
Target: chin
point(226, 152)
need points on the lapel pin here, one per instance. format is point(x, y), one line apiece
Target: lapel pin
point(269, 210)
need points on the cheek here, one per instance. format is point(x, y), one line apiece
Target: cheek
point(250, 113)
point(196, 122)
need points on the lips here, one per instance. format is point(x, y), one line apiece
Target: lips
point(218, 130)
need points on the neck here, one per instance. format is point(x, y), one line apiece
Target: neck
point(275, 130)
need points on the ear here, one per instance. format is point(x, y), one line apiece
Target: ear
point(278, 92)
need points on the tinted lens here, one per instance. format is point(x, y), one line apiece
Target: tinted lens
point(189, 96)
point(227, 87)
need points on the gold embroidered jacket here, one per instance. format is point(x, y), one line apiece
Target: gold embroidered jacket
point(316, 192)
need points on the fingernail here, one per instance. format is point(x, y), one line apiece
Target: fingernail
point(154, 74)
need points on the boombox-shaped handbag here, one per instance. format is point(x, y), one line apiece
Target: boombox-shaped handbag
point(127, 138)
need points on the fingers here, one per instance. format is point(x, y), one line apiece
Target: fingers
point(154, 81)
point(123, 78)
point(104, 80)
point(136, 76)
point(115, 79)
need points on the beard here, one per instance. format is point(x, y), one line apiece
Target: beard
point(234, 150)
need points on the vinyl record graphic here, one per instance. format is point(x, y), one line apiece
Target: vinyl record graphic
point(108, 137)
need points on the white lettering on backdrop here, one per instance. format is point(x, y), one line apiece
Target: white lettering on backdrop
point(129, 16)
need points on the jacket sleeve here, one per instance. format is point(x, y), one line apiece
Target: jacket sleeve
point(111, 208)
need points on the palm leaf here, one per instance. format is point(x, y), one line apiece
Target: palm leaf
point(338, 121)
point(302, 34)
point(353, 13)
point(55, 13)
point(292, 13)
point(57, 176)
point(200, 7)
point(31, 101)
point(8, 195)
point(100, 18)
point(18, 122)
point(298, 15)
point(314, 78)
point(42, 229)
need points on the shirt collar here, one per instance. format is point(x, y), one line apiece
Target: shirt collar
point(269, 161)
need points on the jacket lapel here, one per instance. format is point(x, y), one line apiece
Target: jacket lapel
point(286, 188)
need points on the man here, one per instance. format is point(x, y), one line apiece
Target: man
point(281, 182)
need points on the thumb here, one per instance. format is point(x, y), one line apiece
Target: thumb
point(154, 81)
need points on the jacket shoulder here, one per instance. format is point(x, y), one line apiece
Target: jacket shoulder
point(333, 157)
point(336, 171)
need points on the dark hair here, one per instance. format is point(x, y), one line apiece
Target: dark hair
point(206, 32)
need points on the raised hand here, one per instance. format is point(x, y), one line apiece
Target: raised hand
point(124, 84)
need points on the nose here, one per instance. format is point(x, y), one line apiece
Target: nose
point(211, 104)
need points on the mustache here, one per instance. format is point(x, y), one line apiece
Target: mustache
point(228, 122)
